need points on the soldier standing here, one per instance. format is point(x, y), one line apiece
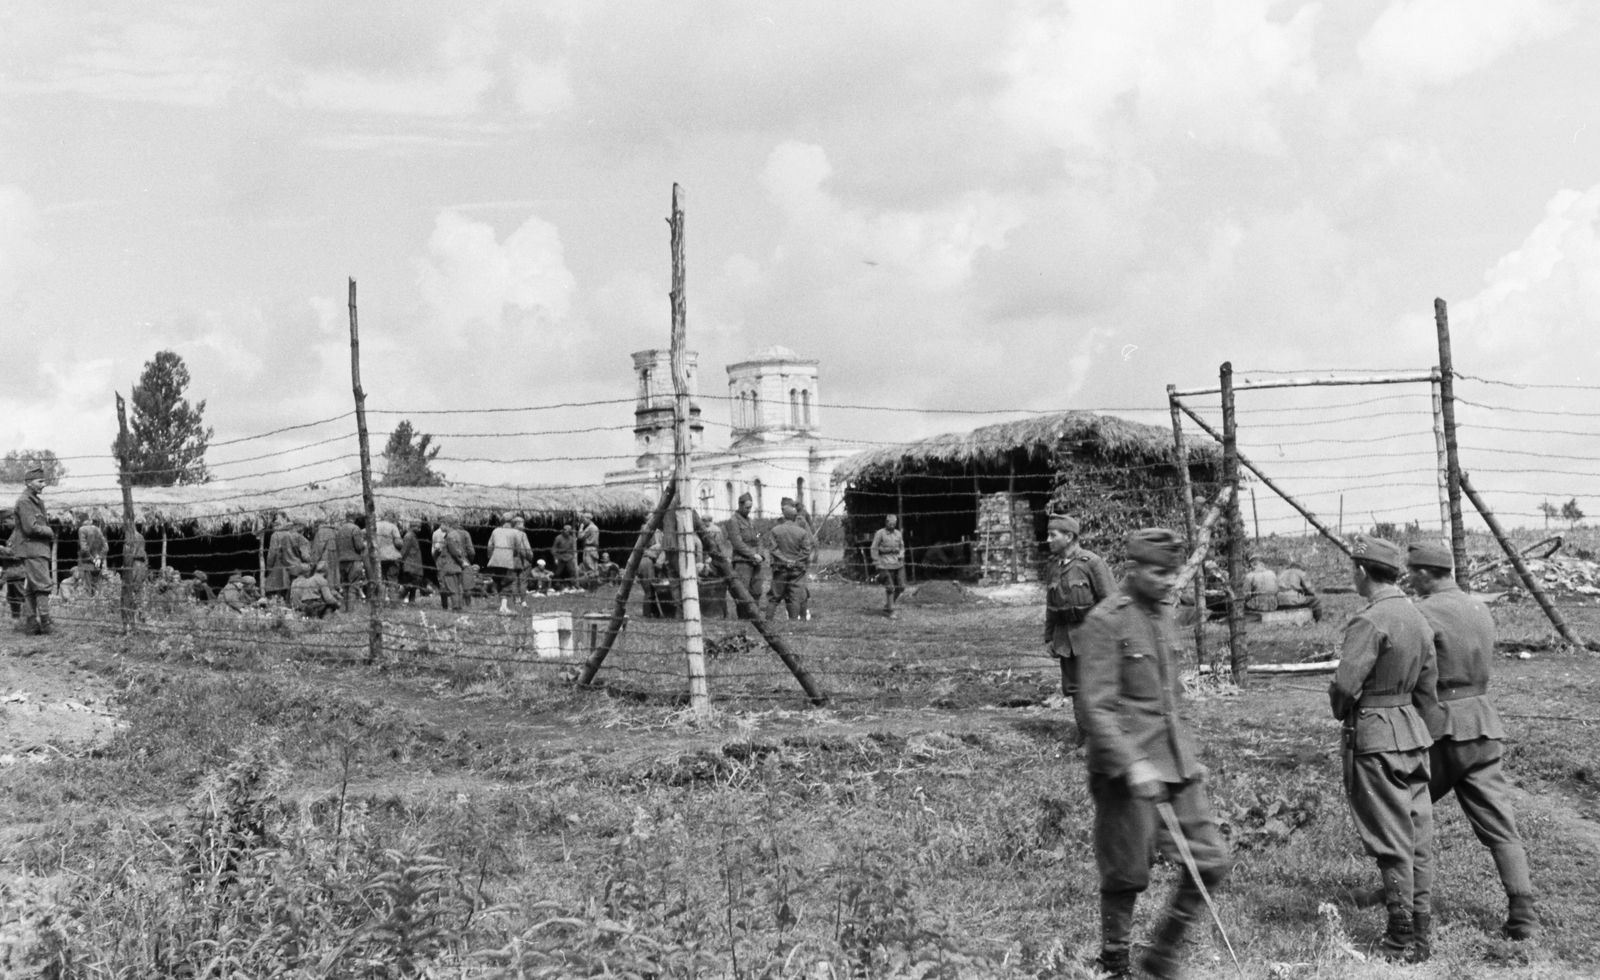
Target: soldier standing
point(747, 556)
point(1141, 754)
point(565, 551)
point(286, 551)
point(1077, 579)
point(888, 557)
point(588, 548)
point(790, 552)
point(411, 568)
point(92, 549)
point(386, 537)
point(325, 551)
point(31, 539)
point(1467, 732)
point(350, 544)
point(1382, 691)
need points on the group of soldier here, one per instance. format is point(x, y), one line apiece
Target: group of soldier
point(1411, 692)
point(734, 559)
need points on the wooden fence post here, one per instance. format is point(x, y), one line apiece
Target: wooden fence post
point(1238, 652)
point(1181, 453)
point(1447, 405)
point(374, 583)
point(1441, 454)
point(129, 610)
point(688, 573)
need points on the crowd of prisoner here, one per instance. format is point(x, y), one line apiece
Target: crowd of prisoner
point(1410, 690)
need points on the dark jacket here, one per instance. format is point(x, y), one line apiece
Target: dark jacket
point(565, 547)
point(456, 554)
point(1463, 640)
point(1073, 586)
point(1129, 690)
point(32, 535)
point(350, 542)
point(411, 555)
point(286, 549)
point(744, 539)
point(790, 544)
point(1388, 655)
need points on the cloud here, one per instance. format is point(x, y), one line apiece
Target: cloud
point(20, 252)
point(1435, 42)
point(453, 85)
point(470, 278)
point(187, 59)
point(1081, 71)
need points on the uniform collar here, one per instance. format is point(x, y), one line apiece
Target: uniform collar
point(1386, 592)
point(1448, 585)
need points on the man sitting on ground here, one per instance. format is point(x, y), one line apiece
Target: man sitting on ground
point(310, 592)
point(1296, 592)
point(232, 595)
point(1260, 586)
point(540, 581)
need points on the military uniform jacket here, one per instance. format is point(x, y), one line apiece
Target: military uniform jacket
point(1074, 585)
point(456, 553)
point(32, 535)
point(1387, 675)
point(91, 544)
point(1463, 638)
point(287, 549)
point(387, 537)
point(589, 538)
point(323, 546)
point(1295, 580)
point(350, 543)
point(312, 587)
point(746, 542)
point(791, 544)
point(1129, 689)
point(565, 547)
point(411, 554)
point(888, 549)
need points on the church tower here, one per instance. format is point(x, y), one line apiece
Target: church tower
point(653, 411)
point(773, 396)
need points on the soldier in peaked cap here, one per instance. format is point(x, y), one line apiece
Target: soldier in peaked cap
point(1382, 691)
point(1466, 730)
point(1141, 753)
point(1076, 580)
point(31, 538)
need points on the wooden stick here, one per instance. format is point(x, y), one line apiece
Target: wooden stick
point(741, 595)
point(688, 572)
point(619, 609)
point(1202, 546)
point(1528, 580)
point(1402, 377)
point(369, 504)
point(1180, 448)
point(1447, 405)
point(1441, 454)
point(1238, 649)
point(128, 529)
point(1319, 667)
point(1267, 481)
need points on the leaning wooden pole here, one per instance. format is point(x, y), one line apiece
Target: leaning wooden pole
point(1238, 650)
point(1528, 581)
point(1180, 451)
point(619, 608)
point(1202, 546)
point(682, 450)
point(1266, 481)
point(778, 644)
point(1447, 405)
point(129, 610)
point(368, 502)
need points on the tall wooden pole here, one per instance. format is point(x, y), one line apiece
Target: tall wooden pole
point(368, 502)
point(1180, 448)
point(688, 574)
point(1238, 654)
point(128, 530)
point(1447, 400)
point(1441, 454)
point(1531, 583)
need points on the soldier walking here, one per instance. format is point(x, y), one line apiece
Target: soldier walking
point(1077, 579)
point(30, 542)
point(888, 557)
point(747, 556)
point(790, 553)
point(1467, 732)
point(1382, 691)
point(1141, 754)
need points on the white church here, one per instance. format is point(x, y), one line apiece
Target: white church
point(775, 448)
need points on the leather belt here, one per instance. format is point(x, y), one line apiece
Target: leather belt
point(1465, 691)
point(1385, 700)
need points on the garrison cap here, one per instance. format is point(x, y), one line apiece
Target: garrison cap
point(1062, 522)
point(1377, 551)
point(1156, 546)
point(249, 580)
point(1432, 554)
point(745, 498)
point(34, 473)
point(789, 501)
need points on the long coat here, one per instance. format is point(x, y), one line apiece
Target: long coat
point(286, 549)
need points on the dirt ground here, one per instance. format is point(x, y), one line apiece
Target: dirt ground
point(48, 703)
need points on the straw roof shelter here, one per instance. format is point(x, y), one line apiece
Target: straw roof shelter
point(213, 508)
point(964, 493)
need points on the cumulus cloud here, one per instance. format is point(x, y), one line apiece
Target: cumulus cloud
point(1434, 42)
point(454, 84)
point(471, 278)
point(1080, 71)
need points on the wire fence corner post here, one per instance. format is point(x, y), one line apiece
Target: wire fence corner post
point(1447, 405)
point(368, 502)
point(1238, 649)
point(683, 450)
point(127, 602)
point(1180, 452)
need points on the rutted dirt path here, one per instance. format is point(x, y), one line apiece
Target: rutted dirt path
point(49, 704)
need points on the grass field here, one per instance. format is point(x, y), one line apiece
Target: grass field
point(273, 807)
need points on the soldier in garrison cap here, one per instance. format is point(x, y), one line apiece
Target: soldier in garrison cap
point(1295, 591)
point(789, 549)
point(888, 557)
point(1075, 582)
point(31, 540)
point(1466, 730)
point(747, 556)
point(1382, 691)
point(1141, 753)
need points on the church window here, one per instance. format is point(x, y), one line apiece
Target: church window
point(805, 401)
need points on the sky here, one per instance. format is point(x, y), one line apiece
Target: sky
point(955, 206)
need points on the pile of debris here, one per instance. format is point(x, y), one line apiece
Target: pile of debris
point(1567, 578)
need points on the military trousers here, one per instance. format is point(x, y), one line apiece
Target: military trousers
point(748, 575)
point(36, 575)
point(1388, 793)
point(789, 589)
point(1127, 832)
point(1472, 770)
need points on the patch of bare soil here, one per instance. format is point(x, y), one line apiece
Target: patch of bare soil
point(49, 705)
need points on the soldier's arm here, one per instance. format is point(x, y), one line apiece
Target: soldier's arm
point(1426, 694)
point(1100, 579)
point(1356, 659)
point(1099, 690)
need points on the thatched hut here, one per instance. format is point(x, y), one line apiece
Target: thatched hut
point(216, 528)
point(975, 504)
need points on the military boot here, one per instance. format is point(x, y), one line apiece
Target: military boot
point(1116, 929)
point(1160, 959)
point(30, 626)
point(43, 605)
point(1397, 938)
point(1522, 922)
point(1421, 938)
point(1114, 964)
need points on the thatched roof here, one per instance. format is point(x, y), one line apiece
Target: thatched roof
point(209, 506)
point(1036, 437)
